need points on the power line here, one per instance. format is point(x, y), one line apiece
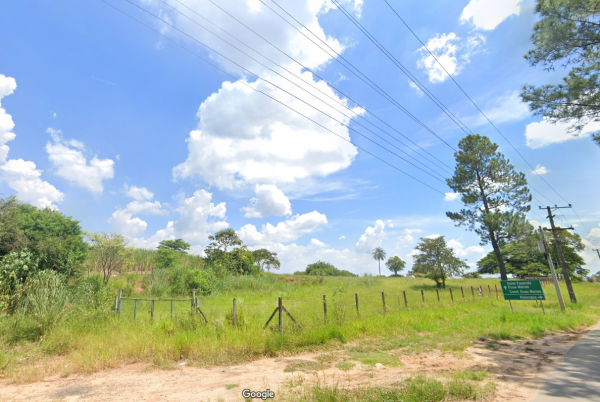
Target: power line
point(300, 87)
point(358, 73)
point(267, 95)
point(330, 84)
point(281, 89)
point(472, 101)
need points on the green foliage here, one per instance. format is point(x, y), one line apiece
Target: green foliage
point(567, 34)
point(471, 275)
point(46, 299)
point(378, 255)
point(110, 252)
point(221, 241)
point(395, 264)
point(54, 240)
point(242, 262)
point(436, 261)
point(495, 195)
point(15, 267)
point(167, 258)
point(322, 268)
point(266, 259)
point(175, 245)
point(523, 257)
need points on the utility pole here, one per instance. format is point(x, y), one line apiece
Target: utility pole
point(561, 257)
point(546, 250)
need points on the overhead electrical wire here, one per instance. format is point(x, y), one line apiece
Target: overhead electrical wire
point(300, 87)
point(321, 78)
point(356, 72)
point(259, 91)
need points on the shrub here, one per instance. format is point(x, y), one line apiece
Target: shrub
point(14, 269)
point(322, 268)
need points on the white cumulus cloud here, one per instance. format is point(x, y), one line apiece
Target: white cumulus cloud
point(540, 170)
point(488, 14)
point(269, 200)
point(286, 231)
point(544, 133)
point(7, 87)
point(138, 193)
point(451, 196)
point(451, 51)
point(373, 237)
point(23, 177)
point(72, 165)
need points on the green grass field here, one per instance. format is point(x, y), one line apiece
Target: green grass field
point(90, 343)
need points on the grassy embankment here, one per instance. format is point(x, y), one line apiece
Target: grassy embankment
point(88, 343)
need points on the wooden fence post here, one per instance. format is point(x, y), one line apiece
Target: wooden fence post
point(194, 304)
point(383, 300)
point(152, 310)
point(472, 291)
point(280, 315)
point(405, 301)
point(135, 311)
point(120, 301)
point(171, 309)
point(234, 315)
point(496, 286)
point(438, 294)
point(490, 290)
point(356, 297)
point(325, 306)
point(451, 295)
point(463, 292)
point(422, 295)
point(116, 302)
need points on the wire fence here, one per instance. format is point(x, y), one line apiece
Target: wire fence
point(291, 313)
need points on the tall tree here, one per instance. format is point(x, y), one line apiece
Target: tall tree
point(395, 264)
point(379, 255)
point(222, 240)
point(437, 261)
point(109, 250)
point(178, 245)
point(266, 259)
point(568, 34)
point(495, 195)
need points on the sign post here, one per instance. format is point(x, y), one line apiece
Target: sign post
point(523, 290)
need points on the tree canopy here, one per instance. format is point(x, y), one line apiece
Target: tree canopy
point(222, 240)
point(266, 259)
point(395, 264)
point(436, 261)
point(496, 196)
point(379, 255)
point(175, 245)
point(322, 268)
point(568, 35)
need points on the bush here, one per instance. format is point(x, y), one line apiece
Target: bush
point(14, 269)
point(322, 268)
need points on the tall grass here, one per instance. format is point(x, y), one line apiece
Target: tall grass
point(102, 340)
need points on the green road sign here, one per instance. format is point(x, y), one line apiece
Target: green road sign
point(523, 290)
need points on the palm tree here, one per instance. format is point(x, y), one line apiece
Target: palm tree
point(379, 255)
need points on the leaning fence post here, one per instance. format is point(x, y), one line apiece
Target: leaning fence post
point(473, 291)
point(383, 300)
point(325, 306)
point(234, 315)
point(451, 295)
point(422, 295)
point(463, 292)
point(135, 311)
point(120, 301)
point(405, 302)
point(490, 290)
point(280, 315)
point(438, 294)
point(496, 286)
point(356, 297)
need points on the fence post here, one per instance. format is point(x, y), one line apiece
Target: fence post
point(280, 315)
point(490, 290)
point(171, 308)
point(234, 315)
point(405, 301)
point(463, 292)
point(152, 310)
point(438, 294)
point(325, 306)
point(120, 301)
point(472, 291)
point(496, 286)
point(451, 295)
point(383, 300)
point(194, 304)
point(135, 311)
point(422, 295)
point(116, 302)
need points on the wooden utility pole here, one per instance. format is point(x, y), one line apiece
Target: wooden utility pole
point(561, 257)
point(546, 250)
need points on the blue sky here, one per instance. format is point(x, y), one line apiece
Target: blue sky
point(115, 125)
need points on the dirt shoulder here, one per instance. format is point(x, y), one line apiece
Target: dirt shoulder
point(517, 368)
